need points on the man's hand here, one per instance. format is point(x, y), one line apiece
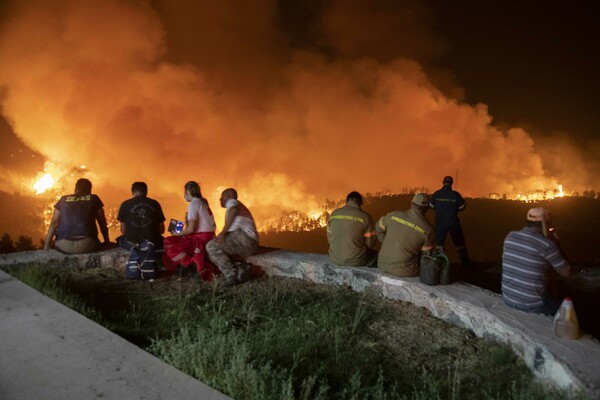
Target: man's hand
point(221, 237)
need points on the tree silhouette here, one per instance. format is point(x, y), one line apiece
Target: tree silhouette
point(6, 244)
point(25, 243)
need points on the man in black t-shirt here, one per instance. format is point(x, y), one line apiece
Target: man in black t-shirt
point(141, 219)
point(74, 221)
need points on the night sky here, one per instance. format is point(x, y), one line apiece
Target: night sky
point(534, 63)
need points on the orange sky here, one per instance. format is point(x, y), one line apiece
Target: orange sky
point(218, 92)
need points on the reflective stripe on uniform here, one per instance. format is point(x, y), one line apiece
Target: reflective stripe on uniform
point(409, 224)
point(348, 218)
point(369, 234)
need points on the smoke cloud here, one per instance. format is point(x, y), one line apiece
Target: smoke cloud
point(289, 111)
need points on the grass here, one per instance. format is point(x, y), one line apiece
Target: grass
point(276, 338)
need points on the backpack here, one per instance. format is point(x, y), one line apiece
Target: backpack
point(434, 268)
point(142, 261)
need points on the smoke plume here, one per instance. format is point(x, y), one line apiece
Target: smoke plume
point(228, 93)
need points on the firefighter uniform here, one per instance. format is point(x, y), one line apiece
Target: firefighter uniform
point(404, 234)
point(350, 231)
point(447, 203)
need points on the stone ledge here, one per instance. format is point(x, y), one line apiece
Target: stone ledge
point(572, 365)
point(52, 258)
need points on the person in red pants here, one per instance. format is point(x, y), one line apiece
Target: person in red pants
point(188, 246)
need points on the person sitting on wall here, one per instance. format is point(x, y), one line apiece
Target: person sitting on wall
point(141, 219)
point(74, 221)
point(351, 234)
point(404, 235)
point(238, 240)
point(526, 257)
point(188, 246)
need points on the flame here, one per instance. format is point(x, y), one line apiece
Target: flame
point(44, 183)
point(299, 221)
point(533, 195)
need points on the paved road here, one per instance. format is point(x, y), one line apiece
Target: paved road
point(48, 351)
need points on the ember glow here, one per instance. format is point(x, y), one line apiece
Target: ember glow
point(164, 92)
point(44, 183)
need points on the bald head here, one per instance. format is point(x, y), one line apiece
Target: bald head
point(228, 194)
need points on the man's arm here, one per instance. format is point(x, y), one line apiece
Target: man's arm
point(429, 244)
point(380, 229)
point(462, 204)
point(101, 218)
point(230, 215)
point(566, 272)
point(51, 229)
point(161, 227)
point(370, 234)
point(555, 257)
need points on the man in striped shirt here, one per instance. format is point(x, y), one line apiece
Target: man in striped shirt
point(526, 257)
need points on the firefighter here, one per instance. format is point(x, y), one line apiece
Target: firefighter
point(447, 203)
point(351, 234)
point(404, 235)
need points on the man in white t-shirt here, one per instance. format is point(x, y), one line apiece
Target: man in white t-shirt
point(237, 240)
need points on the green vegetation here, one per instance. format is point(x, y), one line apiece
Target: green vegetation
point(278, 338)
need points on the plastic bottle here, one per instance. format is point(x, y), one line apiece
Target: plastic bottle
point(566, 325)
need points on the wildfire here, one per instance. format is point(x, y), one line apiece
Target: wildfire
point(540, 195)
point(532, 195)
point(44, 183)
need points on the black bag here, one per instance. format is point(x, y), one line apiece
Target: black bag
point(142, 261)
point(434, 268)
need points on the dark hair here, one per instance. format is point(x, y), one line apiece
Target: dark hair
point(231, 192)
point(139, 188)
point(448, 180)
point(535, 224)
point(194, 189)
point(82, 187)
point(355, 196)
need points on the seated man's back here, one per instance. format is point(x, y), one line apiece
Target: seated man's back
point(526, 256)
point(141, 217)
point(350, 232)
point(404, 234)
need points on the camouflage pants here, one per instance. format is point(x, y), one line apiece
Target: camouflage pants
point(236, 245)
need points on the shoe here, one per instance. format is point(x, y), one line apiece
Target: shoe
point(244, 272)
point(228, 281)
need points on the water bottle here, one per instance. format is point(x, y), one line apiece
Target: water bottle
point(566, 325)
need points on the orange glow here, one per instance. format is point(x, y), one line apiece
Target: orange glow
point(286, 127)
point(540, 195)
point(44, 183)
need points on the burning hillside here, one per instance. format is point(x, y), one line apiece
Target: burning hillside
point(118, 86)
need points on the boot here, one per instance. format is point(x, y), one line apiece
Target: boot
point(463, 254)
